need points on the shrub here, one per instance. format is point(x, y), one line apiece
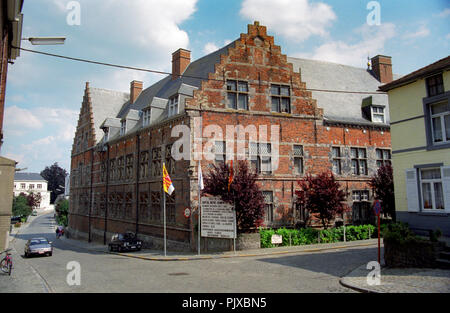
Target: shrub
point(307, 236)
point(399, 233)
point(17, 224)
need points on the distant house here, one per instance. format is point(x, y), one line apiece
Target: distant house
point(32, 182)
point(420, 130)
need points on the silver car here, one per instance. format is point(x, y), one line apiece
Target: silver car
point(38, 246)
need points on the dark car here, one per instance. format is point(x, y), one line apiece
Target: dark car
point(38, 246)
point(15, 219)
point(125, 242)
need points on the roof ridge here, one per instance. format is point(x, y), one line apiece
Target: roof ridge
point(104, 89)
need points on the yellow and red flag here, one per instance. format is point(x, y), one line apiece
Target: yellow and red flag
point(167, 182)
point(230, 178)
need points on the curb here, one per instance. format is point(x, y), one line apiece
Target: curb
point(359, 289)
point(209, 257)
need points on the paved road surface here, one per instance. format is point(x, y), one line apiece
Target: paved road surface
point(102, 272)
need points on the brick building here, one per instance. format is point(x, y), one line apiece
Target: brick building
point(122, 138)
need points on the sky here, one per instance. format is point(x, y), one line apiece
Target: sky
point(44, 94)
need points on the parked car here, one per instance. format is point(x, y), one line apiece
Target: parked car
point(38, 246)
point(34, 213)
point(15, 219)
point(125, 242)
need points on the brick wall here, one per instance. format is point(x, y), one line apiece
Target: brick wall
point(255, 60)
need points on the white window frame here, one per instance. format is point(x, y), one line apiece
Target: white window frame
point(268, 206)
point(173, 106)
point(263, 161)
point(375, 112)
point(280, 97)
point(146, 117)
point(298, 152)
point(431, 182)
point(123, 127)
point(238, 90)
point(336, 158)
point(441, 116)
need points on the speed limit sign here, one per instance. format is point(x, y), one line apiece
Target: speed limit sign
point(187, 212)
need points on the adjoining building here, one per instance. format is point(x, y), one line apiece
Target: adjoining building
point(27, 183)
point(327, 116)
point(11, 20)
point(420, 128)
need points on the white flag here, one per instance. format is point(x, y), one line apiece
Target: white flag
point(200, 177)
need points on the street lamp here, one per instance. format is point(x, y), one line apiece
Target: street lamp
point(46, 40)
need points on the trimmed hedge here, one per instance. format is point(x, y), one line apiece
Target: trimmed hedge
point(307, 236)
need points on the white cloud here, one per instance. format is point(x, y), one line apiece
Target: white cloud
point(373, 39)
point(209, 48)
point(423, 31)
point(445, 13)
point(18, 121)
point(300, 18)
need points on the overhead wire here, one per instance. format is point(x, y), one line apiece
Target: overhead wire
point(182, 75)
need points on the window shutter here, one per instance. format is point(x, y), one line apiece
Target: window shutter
point(446, 187)
point(412, 194)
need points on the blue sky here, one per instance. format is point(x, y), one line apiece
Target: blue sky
point(44, 94)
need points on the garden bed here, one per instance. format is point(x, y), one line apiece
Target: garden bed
point(307, 236)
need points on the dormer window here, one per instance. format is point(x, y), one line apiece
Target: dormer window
point(106, 134)
point(146, 118)
point(173, 106)
point(123, 127)
point(377, 114)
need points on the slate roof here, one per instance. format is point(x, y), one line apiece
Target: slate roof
point(28, 176)
point(341, 107)
point(423, 72)
point(106, 103)
point(338, 107)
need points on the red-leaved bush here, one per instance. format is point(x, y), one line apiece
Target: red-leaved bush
point(322, 195)
point(244, 193)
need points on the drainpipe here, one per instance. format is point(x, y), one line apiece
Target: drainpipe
point(91, 196)
point(107, 195)
point(138, 151)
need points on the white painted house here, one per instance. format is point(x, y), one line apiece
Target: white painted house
point(32, 182)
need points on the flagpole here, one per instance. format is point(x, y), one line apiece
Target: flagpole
point(199, 216)
point(200, 185)
point(165, 245)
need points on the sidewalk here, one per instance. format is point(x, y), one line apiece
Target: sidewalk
point(400, 280)
point(392, 280)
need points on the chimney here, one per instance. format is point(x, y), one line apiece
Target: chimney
point(135, 90)
point(180, 61)
point(382, 68)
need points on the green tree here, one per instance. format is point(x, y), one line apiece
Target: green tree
point(20, 206)
point(62, 212)
point(56, 178)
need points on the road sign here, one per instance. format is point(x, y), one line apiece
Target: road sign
point(187, 212)
point(377, 207)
